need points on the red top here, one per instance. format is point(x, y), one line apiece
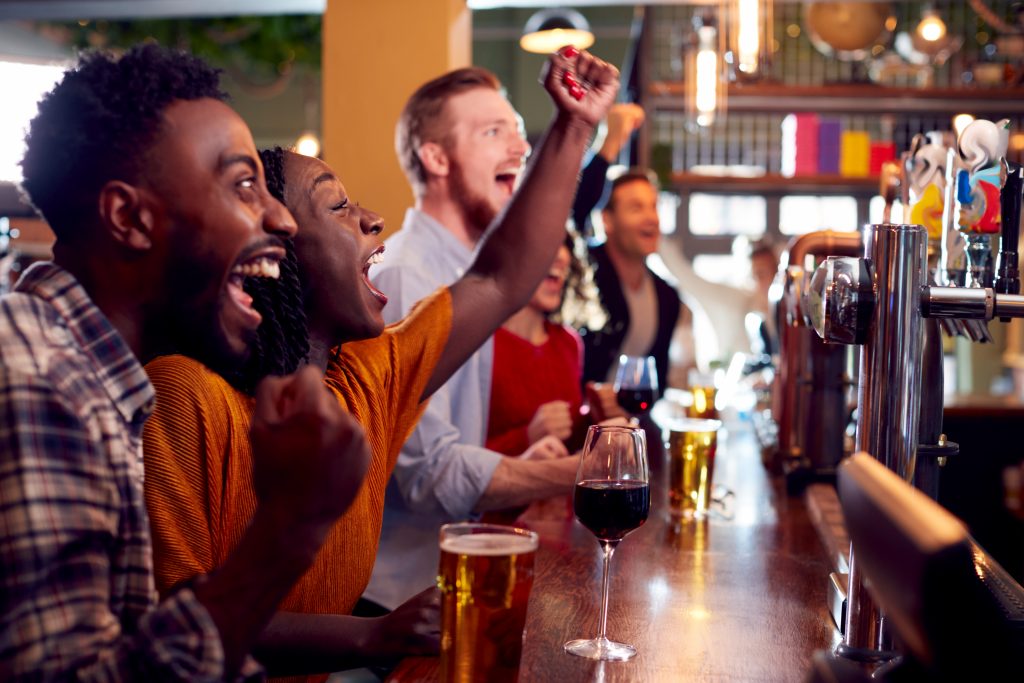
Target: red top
point(527, 376)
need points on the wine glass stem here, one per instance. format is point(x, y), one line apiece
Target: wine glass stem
point(609, 548)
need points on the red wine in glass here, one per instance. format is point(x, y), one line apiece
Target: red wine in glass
point(612, 497)
point(636, 384)
point(635, 401)
point(611, 509)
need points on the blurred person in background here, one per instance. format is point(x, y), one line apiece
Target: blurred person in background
point(643, 309)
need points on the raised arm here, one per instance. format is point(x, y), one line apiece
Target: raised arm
point(518, 249)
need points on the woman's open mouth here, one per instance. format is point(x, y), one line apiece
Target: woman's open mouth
point(376, 257)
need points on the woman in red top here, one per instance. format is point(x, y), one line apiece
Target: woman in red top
point(538, 366)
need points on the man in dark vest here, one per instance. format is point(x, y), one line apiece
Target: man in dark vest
point(642, 308)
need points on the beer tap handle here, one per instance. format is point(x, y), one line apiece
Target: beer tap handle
point(1008, 273)
point(963, 187)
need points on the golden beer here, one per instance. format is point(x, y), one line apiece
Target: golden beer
point(485, 578)
point(703, 406)
point(691, 451)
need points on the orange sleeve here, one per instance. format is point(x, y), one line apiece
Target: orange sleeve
point(182, 458)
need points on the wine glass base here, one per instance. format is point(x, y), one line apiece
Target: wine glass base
point(601, 648)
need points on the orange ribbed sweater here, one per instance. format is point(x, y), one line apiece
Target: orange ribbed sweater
point(199, 491)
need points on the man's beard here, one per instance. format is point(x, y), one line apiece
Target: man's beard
point(476, 209)
point(190, 320)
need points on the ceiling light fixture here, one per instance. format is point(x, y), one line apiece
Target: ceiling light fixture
point(551, 29)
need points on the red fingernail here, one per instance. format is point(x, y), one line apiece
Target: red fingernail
point(577, 92)
point(568, 79)
point(569, 51)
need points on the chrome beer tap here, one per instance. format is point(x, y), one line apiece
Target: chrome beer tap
point(889, 302)
point(809, 391)
point(884, 302)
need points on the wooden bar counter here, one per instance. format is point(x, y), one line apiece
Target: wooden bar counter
point(729, 599)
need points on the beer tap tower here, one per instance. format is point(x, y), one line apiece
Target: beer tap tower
point(884, 301)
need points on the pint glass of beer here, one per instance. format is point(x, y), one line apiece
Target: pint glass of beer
point(691, 450)
point(702, 387)
point(485, 578)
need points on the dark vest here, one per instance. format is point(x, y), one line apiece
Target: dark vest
point(602, 346)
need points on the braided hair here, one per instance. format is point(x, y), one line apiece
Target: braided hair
point(282, 340)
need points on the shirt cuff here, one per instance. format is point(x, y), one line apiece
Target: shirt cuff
point(183, 638)
point(477, 468)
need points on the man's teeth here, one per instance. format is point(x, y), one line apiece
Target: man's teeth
point(375, 258)
point(260, 267)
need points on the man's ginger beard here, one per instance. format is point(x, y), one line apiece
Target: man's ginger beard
point(476, 210)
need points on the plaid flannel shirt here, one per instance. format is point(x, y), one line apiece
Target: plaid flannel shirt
point(77, 598)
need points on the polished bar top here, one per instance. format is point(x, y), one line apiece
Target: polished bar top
point(737, 598)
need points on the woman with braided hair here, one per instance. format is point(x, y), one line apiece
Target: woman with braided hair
point(200, 493)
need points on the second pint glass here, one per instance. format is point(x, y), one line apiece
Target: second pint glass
point(485, 578)
point(691, 450)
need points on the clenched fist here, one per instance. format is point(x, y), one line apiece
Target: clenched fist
point(548, 448)
point(551, 419)
point(580, 84)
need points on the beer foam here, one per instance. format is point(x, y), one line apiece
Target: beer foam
point(489, 544)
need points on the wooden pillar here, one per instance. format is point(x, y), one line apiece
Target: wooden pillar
point(375, 55)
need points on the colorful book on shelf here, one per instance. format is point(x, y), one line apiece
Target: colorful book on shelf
point(855, 154)
point(881, 152)
point(829, 132)
point(800, 144)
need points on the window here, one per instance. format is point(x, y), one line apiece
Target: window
point(712, 214)
point(24, 86)
point(723, 269)
point(799, 214)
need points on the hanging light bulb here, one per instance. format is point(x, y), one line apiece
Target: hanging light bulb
point(706, 95)
point(931, 28)
point(704, 71)
point(748, 35)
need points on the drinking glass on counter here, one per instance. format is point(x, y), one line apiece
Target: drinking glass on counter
point(485, 578)
point(636, 384)
point(692, 445)
point(702, 386)
point(612, 498)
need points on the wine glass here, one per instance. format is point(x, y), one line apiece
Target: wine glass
point(612, 497)
point(636, 383)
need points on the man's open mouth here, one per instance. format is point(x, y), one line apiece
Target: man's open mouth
point(507, 180)
point(266, 264)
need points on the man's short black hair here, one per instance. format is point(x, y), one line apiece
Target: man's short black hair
point(97, 125)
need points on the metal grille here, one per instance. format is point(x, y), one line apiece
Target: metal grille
point(798, 62)
point(754, 139)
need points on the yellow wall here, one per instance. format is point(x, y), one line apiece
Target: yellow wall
point(376, 53)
